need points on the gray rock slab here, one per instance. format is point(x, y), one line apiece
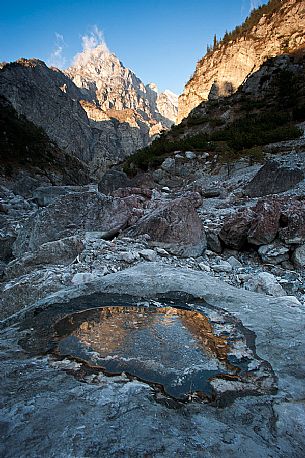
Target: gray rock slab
point(275, 176)
point(45, 195)
point(47, 412)
point(83, 211)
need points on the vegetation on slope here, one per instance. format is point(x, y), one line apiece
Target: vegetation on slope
point(246, 27)
point(240, 138)
point(252, 20)
point(255, 122)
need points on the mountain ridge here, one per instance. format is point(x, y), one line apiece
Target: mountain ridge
point(98, 129)
point(266, 108)
point(225, 68)
point(102, 76)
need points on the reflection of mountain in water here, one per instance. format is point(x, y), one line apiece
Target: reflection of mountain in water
point(108, 331)
point(168, 346)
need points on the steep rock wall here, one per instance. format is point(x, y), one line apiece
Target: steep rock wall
point(222, 71)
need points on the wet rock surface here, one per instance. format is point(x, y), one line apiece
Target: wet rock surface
point(185, 347)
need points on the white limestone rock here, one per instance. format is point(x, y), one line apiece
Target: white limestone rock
point(265, 283)
point(222, 266)
point(234, 262)
point(274, 253)
point(129, 256)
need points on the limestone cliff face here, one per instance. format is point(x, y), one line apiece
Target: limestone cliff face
point(29, 159)
point(167, 104)
point(222, 71)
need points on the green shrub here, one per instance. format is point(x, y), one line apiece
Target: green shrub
point(197, 120)
point(216, 122)
point(153, 155)
point(271, 7)
point(250, 104)
point(256, 154)
point(257, 130)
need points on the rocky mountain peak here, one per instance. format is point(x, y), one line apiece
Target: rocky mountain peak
point(171, 96)
point(93, 55)
point(103, 78)
point(98, 65)
point(153, 87)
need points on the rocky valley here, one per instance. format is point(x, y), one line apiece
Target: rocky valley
point(152, 293)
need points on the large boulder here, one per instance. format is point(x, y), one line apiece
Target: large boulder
point(265, 283)
point(282, 217)
point(168, 164)
point(254, 426)
point(175, 226)
point(298, 256)
point(292, 230)
point(45, 195)
point(274, 253)
point(274, 177)
point(58, 252)
point(132, 191)
point(234, 231)
point(194, 197)
point(72, 213)
point(7, 240)
point(213, 242)
point(112, 180)
point(265, 226)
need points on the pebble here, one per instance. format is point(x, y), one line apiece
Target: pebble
point(161, 252)
point(165, 189)
point(204, 267)
point(190, 155)
point(234, 262)
point(223, 266)
point(148, 255)
point(129, 256)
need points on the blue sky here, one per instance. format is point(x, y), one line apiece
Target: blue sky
point(161, 41)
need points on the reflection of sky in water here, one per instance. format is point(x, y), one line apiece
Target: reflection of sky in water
point(173, 347)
